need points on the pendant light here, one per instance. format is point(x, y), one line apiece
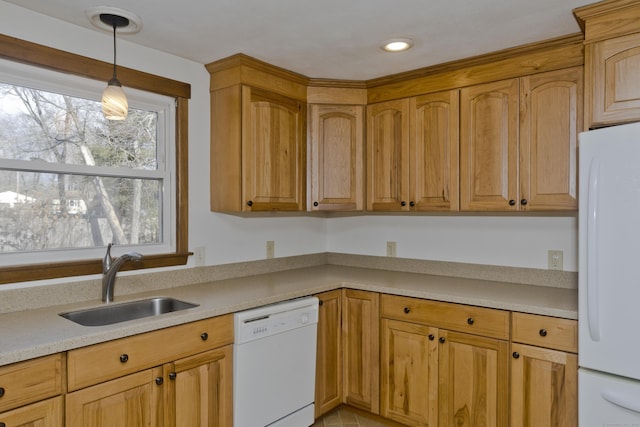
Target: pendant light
point(114, 101)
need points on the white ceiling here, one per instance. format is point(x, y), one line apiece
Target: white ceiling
point(334, 39)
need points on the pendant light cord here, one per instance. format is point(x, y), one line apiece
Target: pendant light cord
point(114, 50)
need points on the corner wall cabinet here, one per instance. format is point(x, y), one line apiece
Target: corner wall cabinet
point(612, 61)
point(185, 380)
point(30, 392)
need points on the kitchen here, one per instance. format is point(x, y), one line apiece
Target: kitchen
point(510, 241)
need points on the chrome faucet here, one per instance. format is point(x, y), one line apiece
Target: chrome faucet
point(110, 268)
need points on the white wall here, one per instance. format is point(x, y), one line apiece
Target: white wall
point(511, 241)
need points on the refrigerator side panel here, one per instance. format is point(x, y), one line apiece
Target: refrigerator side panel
point(609, 250)
point(607, 401)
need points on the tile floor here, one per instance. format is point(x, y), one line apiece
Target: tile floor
point(343, 417)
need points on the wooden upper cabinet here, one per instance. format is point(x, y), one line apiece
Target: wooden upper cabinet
point(388, 156)
point(258, 151)
point(489, 146)
point(612, 61)
point(336, 150)
point(550, 120)
point(434, 146)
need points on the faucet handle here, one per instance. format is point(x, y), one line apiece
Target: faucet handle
point(106, 261)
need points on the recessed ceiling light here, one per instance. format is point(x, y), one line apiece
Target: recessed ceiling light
point(397, 45)
point(134, 25)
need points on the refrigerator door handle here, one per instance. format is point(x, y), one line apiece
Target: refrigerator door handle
point(621, 400)
point(592, 248)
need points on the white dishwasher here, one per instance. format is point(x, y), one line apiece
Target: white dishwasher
point(274, 362)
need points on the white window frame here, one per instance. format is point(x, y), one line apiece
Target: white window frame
point(43, 79)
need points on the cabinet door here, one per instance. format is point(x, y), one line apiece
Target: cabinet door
point(336, 145)
point(199, 389)
point(613, 67)
point(409, 370)
point(388, 156)
point(489, 147)
point(133, 400)
point(544, 387)
point(273, 151)
point(360, 328)
point(47, 413)
point(328, 394)
point(473, 381)
point(550, 119)
point(434, 150)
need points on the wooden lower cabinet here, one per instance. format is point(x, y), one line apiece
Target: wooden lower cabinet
point(328, 394)
point(47, 413)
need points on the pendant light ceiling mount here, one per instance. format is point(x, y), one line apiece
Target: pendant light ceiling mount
point(102, 17)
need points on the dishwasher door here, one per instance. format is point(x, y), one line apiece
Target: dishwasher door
point(274, 365)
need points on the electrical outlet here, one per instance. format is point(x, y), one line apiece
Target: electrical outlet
point(199, 256)
point(271, 249)
point(554, 261)
point(391, 249)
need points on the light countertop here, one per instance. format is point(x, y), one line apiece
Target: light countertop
point(37, 332)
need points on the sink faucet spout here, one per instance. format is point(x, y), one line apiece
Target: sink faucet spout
point(110, 268)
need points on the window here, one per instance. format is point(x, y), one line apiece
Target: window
point(71, 182)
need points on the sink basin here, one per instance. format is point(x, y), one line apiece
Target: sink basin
point(115, 313)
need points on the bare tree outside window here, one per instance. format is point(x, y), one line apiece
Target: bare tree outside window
point(70, 178)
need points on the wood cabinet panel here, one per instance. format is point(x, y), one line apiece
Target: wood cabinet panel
point(336, 145)
point(465, 318)
point(328, 387)
point(387, 156)
point(489, 146)
point(133, 400)
point(544, 387)
point(101, 362)
point(409, 373)
point(361, 349)
point(545, 331)
point(434, 152)
point(199, 390)
point(48, 413)
point(30, 381)
point(473, 381)
point(550, 120)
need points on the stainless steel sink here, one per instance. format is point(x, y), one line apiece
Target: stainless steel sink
point(115, 313)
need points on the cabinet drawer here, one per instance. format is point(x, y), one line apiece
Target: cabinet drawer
point(105, 361)
point(545, 331)
point(464, 318)
point(30, 381)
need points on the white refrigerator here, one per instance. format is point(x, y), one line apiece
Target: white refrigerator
point(609, 277)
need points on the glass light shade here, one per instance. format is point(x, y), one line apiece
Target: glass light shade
point(114, 102)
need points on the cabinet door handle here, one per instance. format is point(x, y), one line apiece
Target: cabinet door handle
point(407, 310)
point(523, 202)
point(516, 355)
point(249, 203)
point(512, 202)
point(320, 302)
point(1, 391)
point(543, 332)
point(315, 204)
point(470, 321)
point(403, 203)
point(204, 336)
point(173, 375)
point(412, 203)
point(442, 340)
point(159, 380)
point(124, 358)
point(431, 337)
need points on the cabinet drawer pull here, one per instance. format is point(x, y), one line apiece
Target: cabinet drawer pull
point(431, 337)
point(407, 310)
point(124, 358)
point(470, 321)
point(441, 340)
point(204, 336)
point(1, 391)
point(516, 355)
point(159, 380)
point(543, 332)
point(172, 375)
